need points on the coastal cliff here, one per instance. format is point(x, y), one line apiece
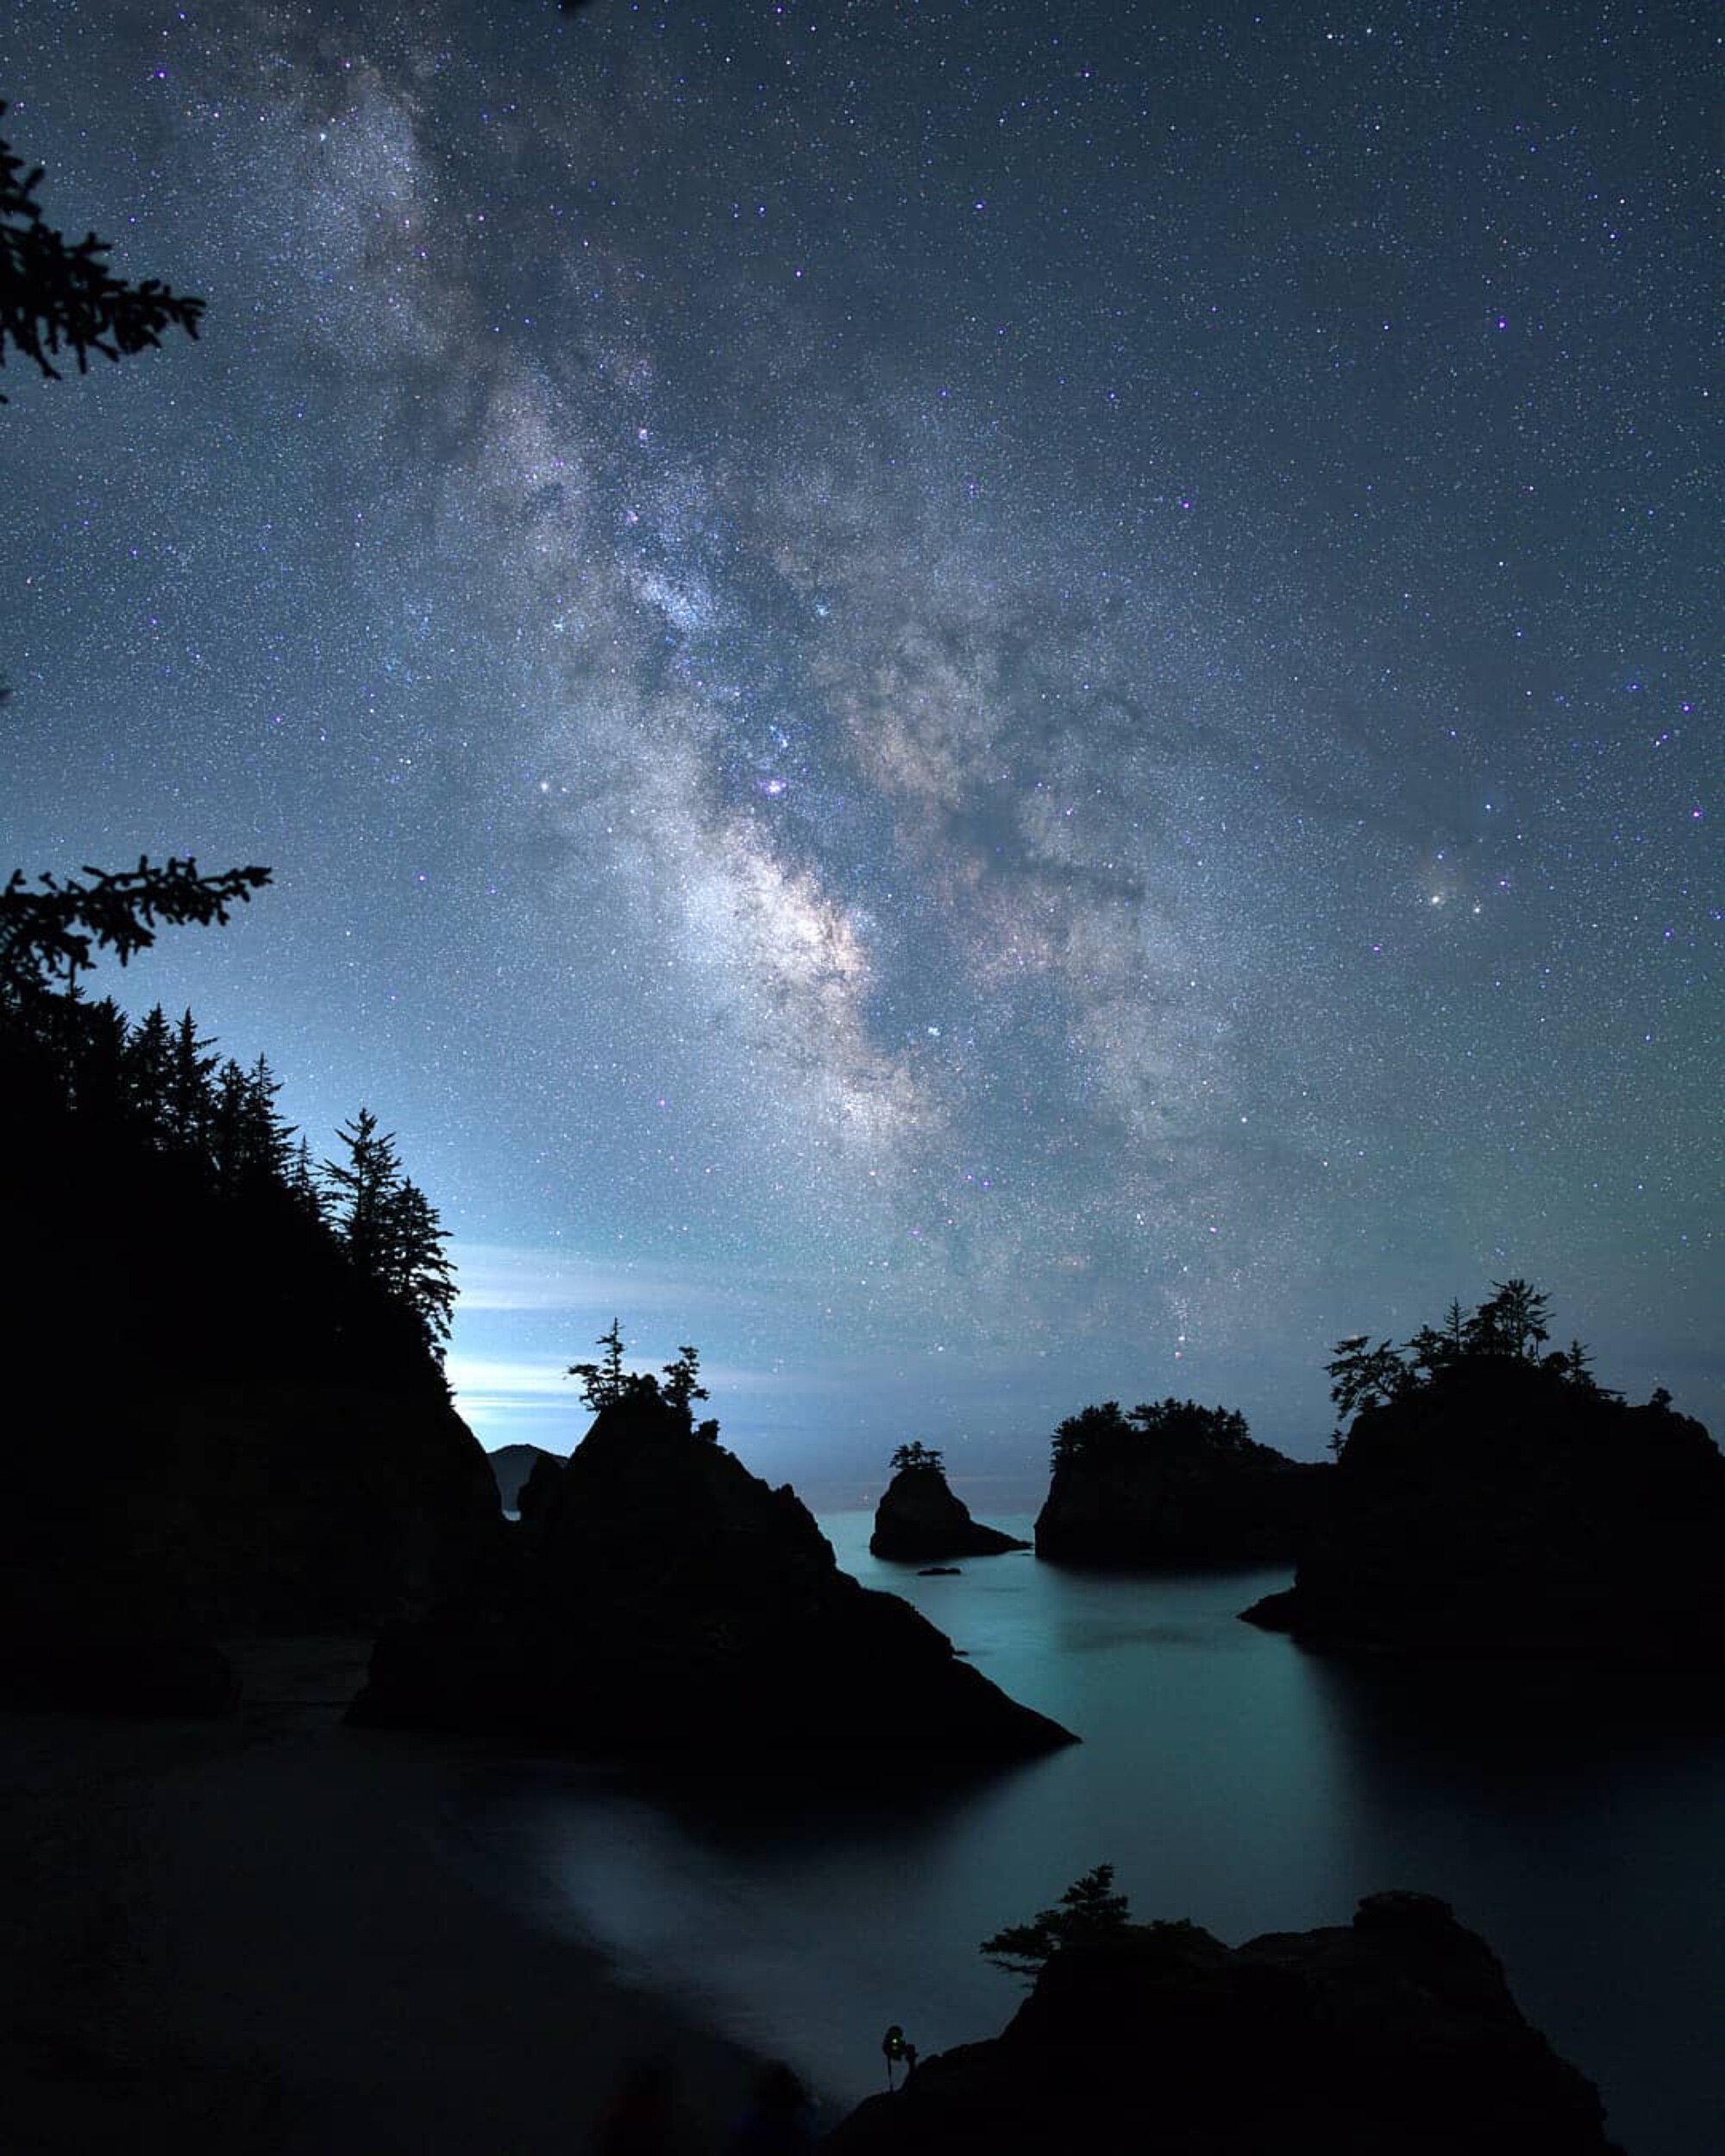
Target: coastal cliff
point(663, 1598)
point(1396, 2032)
point(1172, 1484)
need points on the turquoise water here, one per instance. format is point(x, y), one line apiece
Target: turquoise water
point(1228, 1776)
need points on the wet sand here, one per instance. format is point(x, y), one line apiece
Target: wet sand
point(245, 1936)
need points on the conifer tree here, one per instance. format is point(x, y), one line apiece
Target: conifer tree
point(1089, 1909)
point(414, 1266)
point(1511, 1322)
point(1361, 1375)
point(363, 1186)
point(916, 1454)
point(58, 296)
point(303, 1185)
point(149, 1056)
point(227, 1120)
point(267, 1136)
point(605, 1382)
point(96, 1061)
point(682, 1386)
point(190, 1098)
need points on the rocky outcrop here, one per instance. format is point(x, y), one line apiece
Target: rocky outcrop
point(1189, 1490)
point(1502, 1510)
point(667, 1600)
point(1397, 2033)
point(512, 1465)
point(919, 1520)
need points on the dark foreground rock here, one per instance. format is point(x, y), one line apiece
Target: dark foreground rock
point(666, 1598)
point(1397, 2033)
point(1175, 1486)
point(1502, 1510)
point(920, 1521)
point(231, 1509)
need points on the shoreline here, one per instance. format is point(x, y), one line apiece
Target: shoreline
point(244, 1935)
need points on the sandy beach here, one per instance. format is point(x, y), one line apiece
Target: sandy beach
point(244, 1936)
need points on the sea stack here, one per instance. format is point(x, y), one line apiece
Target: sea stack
point(920, 1521)
point(1501, 1508)
point(1171, 1485)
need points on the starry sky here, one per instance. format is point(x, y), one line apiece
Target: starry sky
point(986, 706)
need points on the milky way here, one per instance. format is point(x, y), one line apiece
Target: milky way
point(989, 707)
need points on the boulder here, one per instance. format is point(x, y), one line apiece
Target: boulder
point(1500, 1509)
point(667, 1600)
point(920, 1521)
point(1397, 2033)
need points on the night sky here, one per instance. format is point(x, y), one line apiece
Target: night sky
point(986, 706)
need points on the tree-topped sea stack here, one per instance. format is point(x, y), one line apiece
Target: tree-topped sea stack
point(920, 1521)
point(1173, 1484)
point(665, 1600)
point(1491, 1499)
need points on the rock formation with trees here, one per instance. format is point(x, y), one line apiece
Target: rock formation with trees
point(662, 1599)
point(1395, 2032)
point(1171, 1484)
point(1490, 1498)
point(920, 1521)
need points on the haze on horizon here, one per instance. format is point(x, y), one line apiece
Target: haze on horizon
point(986, 709)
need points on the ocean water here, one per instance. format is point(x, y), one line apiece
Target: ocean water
point(1227, 1775)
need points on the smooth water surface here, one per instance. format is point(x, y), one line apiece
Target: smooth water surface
point(1227, 1775)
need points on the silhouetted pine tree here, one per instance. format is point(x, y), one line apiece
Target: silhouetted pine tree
point(190, 1099)
point(149, 1056)
point(303, 1187)
point(361, 1187)
point(415, 1267)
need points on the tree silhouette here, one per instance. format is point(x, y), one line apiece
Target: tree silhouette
point(682, 1386)
point(388, 1227)
point(1183, 1425)
point(1361, 1375)
point(1090, 1431)
point(52, 934)
point(605, 1382)
point(190, 1102)
point(916, 1454)
point(1510, 1325)
point(1511, 1322)
point(59, 297)
point(362, 1185)
point(415, 1268)
point(1088, 1909)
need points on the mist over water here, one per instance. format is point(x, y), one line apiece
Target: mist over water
point(1227, 1775)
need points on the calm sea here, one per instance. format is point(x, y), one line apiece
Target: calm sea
point(1228, 1776)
